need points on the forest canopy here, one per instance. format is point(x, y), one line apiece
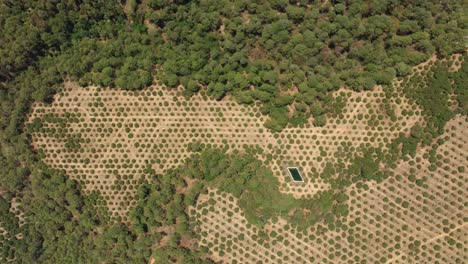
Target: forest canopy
point(255, 50)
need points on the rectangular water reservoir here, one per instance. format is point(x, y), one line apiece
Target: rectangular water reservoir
point(295, 174)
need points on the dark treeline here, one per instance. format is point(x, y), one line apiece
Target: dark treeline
point(257, 50)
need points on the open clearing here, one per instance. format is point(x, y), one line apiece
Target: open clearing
point(108, 139)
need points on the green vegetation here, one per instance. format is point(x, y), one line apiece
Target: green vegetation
point(63, 226)
point(433, 91)
point(287, 56)
point(257, 188)
point(181, 43)
point(275, 46)
point(67, 227)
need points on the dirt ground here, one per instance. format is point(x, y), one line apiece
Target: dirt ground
point(108, 138)
point(122, 133)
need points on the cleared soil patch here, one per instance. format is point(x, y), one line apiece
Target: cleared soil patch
point(108, 138)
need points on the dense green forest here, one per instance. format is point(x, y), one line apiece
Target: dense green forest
point(287, 56)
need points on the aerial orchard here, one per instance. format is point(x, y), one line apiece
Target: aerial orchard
point(109, 139)
point(150, 131)
point(396, 221)
point(401, 169)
